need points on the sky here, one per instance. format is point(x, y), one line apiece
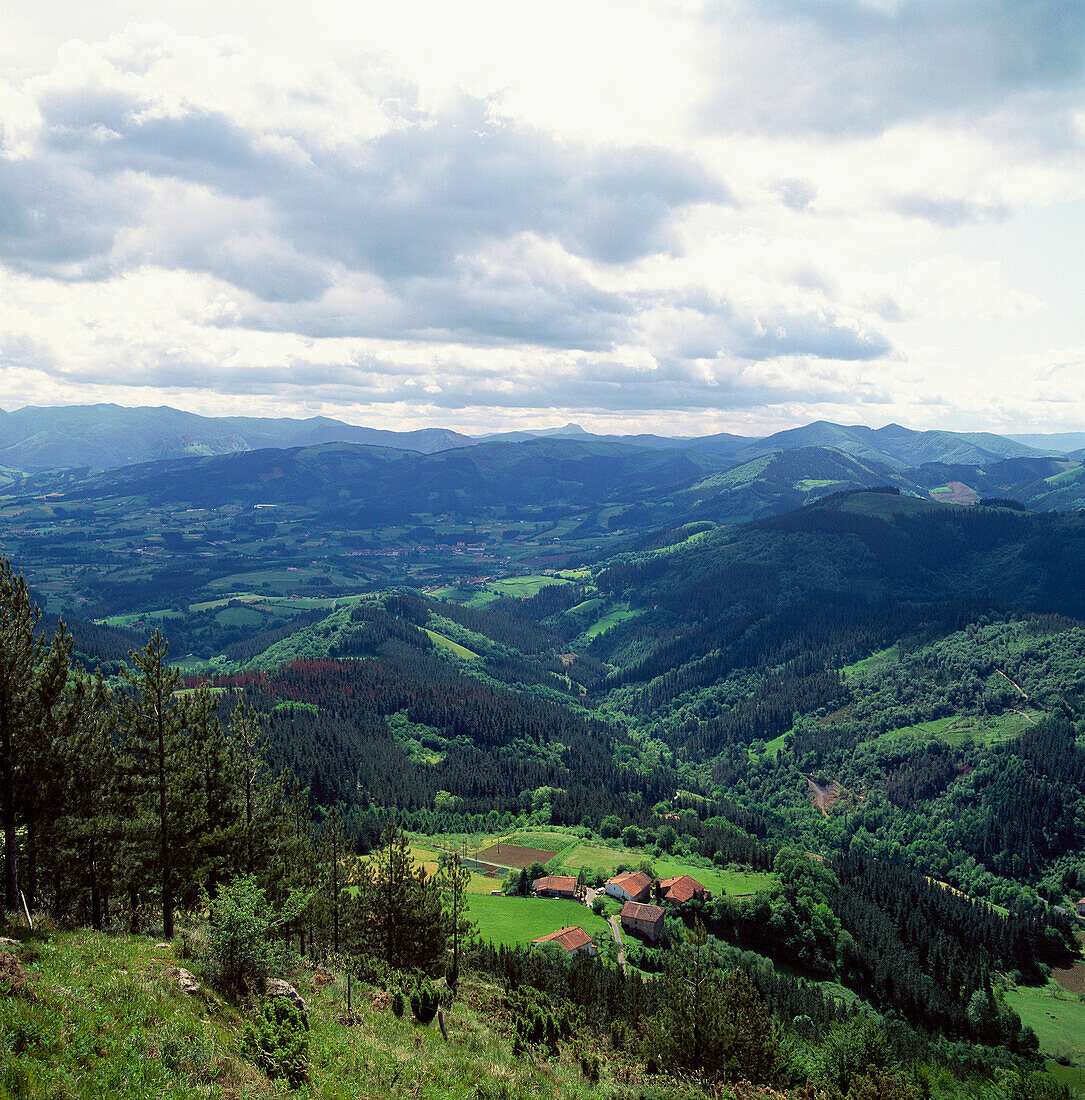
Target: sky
point(678, 217)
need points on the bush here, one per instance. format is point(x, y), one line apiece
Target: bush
point(399, 1003)
point(278, 1042)
point(424, 1001)
point(240, 952)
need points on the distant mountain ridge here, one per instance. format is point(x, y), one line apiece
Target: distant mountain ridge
point(110, 436)
point(103, 437)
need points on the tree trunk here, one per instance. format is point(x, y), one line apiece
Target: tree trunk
point(163, 817)
point(95, 897)
point(31, 863)
point(7, 779)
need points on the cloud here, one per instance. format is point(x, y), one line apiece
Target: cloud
point(845, 67)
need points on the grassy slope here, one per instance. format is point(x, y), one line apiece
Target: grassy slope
point(1057, 1017)
point(521, 920)
point(101, 1020)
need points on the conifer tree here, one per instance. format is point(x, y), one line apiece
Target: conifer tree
point(164, 741)
point(32, 681)
point(452, 881)
point(396, 915)
point(89, 830)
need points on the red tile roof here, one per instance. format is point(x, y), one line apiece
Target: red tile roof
point(680, 889)
point(571, 938)
point(638, 910)
point(565, 884)
point(632, 882)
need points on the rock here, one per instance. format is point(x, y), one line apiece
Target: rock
point(183, 978)
point(7, 941)
point(163, 946)
point(276, 987)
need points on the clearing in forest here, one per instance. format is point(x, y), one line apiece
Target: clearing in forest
point(823, 795)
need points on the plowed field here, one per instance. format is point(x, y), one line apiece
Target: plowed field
point(512, 855)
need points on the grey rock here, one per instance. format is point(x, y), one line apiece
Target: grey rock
point(185, 979)
point(277, 987)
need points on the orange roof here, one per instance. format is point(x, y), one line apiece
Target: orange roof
point(638, 910)
point(632, 882)
point(570, 938)
point(680, 889)
point(564, 883)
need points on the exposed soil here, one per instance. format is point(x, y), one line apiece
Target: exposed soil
point(959, 493)
point(512, 855)
point(1072, 979)
point(823, 795)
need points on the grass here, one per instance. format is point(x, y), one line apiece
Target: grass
point(509, 921)
point(955, 729)
point(876, 661)
point(453, 647)
point(718, 880)
point(1057, 1017)
point(619, 615)
point(102, 1020)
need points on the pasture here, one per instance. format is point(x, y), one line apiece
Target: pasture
point(1057, 1017)
point(511, 921)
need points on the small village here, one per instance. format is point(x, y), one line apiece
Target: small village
point(639, 916)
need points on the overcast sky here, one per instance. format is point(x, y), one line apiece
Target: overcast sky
point(680, 217)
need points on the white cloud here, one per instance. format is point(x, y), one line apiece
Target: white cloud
point(624, 213)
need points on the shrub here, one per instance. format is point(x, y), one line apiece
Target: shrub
point(240, 951)
point(425, 1001)
point(399, 1003)
point(278, 1042)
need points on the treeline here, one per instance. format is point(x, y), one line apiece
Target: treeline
point(117, 799)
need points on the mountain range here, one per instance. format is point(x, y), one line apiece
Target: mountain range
point(102, 437)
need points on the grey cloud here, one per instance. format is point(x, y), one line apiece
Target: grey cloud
point(414, 199)
point(57, 215)
point(949, 213)
point(847, 68)
point(818, 335)
point(798, 194)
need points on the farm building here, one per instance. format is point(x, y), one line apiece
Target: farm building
point(1079, 905)
point(574, 939)
point(555, 886)
point(631, 886)
point(681, 889)
point(644, 920)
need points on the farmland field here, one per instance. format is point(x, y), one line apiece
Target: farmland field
point(520, 920)
point(1057, 1017)
point(512, 855)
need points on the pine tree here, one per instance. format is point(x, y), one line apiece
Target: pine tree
point(89, 830)
point(165, 738)
point(452, 881)
point(32, 682)
point(396, 915)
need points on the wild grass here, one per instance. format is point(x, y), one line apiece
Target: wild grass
point(100, 1020)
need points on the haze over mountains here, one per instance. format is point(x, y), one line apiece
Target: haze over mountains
point(109, 436)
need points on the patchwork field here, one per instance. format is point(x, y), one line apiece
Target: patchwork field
point(511, 921)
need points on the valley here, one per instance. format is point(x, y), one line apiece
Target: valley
point(850, 709)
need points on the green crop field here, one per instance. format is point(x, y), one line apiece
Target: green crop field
point(520, 920)
point(1057, 1017)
